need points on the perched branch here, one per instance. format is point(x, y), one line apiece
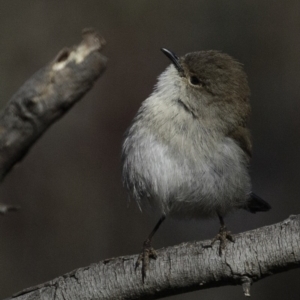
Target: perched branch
point(46, 97)
point(187, 267)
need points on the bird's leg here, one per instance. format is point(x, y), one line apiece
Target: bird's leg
point(147, 250)
point(222, 236)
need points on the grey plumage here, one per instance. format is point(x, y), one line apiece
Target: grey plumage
point(188, 149)
point(178, 153)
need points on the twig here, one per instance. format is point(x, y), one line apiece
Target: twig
point(46, 97)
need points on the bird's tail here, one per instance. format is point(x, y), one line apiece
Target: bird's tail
point(255, 204)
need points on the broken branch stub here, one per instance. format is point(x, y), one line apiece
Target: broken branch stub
point(47, 96)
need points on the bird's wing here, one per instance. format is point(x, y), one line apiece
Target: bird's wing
point(242, 137)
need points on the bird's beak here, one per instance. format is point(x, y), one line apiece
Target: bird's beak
point(174, 59)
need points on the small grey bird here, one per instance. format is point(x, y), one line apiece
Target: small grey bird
point(188, 149)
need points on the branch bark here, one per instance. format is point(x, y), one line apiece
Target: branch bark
point(183, 268)
point(46, 97)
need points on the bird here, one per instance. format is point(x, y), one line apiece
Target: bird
point(188, 149)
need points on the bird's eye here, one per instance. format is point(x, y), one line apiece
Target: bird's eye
point(194, 80)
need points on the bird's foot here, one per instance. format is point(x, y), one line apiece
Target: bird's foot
point(222, 236)
point(144, 258)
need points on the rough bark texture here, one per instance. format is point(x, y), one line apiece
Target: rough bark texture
point(187, 267)
point(47, 96)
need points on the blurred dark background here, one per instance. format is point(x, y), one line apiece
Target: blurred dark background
point(74, 208)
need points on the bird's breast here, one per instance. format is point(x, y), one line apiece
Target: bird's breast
point(182, 163)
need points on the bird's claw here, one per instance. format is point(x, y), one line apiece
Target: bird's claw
point(144, 258)
point(222, 236)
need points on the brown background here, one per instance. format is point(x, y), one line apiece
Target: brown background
point(74, 207)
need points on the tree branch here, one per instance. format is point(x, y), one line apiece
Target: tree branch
point(46, 97)
point(184, 268)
